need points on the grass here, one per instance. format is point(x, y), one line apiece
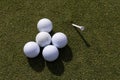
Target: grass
point(93, 54)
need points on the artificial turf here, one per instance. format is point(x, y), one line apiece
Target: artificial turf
point(93, 54)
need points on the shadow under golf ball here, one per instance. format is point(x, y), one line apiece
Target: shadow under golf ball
point(37, 63)
point(56, 67)
point(66, 53)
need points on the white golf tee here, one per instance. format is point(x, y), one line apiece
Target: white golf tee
point(80, 27)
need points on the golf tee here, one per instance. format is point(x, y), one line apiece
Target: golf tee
point(80, 27)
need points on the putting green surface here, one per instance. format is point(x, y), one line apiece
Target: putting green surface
point(93, 54)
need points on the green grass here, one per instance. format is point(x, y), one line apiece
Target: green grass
point(93, 54)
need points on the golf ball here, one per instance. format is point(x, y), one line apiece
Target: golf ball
point(59, 40)
point(43, 39)
point(45, 25)
point(31, 49)
point(50, 53)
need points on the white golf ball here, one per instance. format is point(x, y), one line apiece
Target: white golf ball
point(45, 25)
point(43, 39)
point(31, 49)
point(59, 40)
point(50, 53)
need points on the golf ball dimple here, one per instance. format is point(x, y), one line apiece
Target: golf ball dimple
point(50, 53)
point(43, 39)
point(31, 49)
point(44, 25)
point(59, 40)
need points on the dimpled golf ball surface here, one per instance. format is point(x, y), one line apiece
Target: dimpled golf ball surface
point(44, 25)
point(43, 39)
point(50, 53)
point(59, 40)
point(31, 49)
